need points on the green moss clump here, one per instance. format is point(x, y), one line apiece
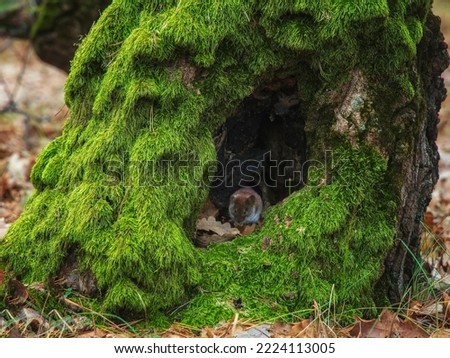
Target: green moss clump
point(324, 244)
point(148, 86)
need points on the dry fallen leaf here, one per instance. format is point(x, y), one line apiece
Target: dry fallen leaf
point(280, 329)
point(408, 329)
point(207, 332)
point(221, 229)
point(177, 331)
point(304, 329)
point(14, 333)
point(209, 209)
point(18, 291)
point(430, 308)
point(446, 256)
point(428, 219)
point(368, 329)
point(33, 319)
point(211, 231)
point(441, 333)
point(446, 307)
point(204, 240)
point(95, 333)
point(247, 229)
point(388, 325)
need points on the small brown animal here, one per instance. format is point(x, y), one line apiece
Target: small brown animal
point(245, 207)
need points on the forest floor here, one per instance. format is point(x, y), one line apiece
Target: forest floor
point(32, 113)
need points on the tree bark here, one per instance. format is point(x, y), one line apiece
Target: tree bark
point(16, 18)
point(420, 166)
point(55, 26)
point(59, 27)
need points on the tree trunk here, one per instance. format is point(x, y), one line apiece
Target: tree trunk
point(16, 18)
point(419, 166)
point(55, 26)
point(348, 94)
point(59, 27)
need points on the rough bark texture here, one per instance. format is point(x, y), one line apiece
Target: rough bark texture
point(152, 84)
point(420, 166)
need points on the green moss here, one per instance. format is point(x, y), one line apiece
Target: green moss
point(324, 243)
point(150, 84)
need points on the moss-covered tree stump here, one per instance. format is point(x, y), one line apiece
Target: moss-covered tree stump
point(151, 86)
